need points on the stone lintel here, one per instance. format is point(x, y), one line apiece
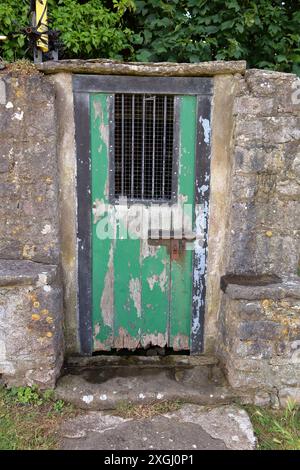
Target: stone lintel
point(163, 69)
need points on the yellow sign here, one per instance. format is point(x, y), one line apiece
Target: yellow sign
point(41, 17)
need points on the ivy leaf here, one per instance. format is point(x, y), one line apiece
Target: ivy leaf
point(147, 35)
point(227, 24)
point(211, 29)
point(144, 55)
point(281, 58)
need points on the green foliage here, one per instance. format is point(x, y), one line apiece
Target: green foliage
point(58, 406)
point(32, 396)
point(265, 33)
point(13, 15)
point(30, 419)
point(91, 30)
point(88, 29)
point(25, 395)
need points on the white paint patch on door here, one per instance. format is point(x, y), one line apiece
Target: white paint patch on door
point(135, 289)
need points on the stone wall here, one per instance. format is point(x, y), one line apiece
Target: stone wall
point(259, 320)
point(253, 323)
point(30, 292)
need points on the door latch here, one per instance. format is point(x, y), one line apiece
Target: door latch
point(177, 248)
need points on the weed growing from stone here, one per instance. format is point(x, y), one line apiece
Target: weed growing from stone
point(129, 410)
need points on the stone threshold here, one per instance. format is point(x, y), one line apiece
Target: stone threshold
point(105, 360)
point(159, 69)
point(105, 382)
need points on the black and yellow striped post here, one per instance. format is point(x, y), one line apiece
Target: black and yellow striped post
point(41, 23)
point(42, 40)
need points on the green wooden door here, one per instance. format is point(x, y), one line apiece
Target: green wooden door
point(141, 287)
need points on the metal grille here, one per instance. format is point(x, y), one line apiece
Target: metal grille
point(143, 146)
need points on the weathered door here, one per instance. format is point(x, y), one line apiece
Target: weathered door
point(144, 177)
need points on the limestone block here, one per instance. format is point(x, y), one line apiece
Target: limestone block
point(31, 317)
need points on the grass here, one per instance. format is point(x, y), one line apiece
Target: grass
point(276, 429)
point(30, 419)
point(128, 410)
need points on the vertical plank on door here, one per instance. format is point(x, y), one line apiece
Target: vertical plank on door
point(202, 190)
point(181, 269)
point(102, 249)
point(155, 266)
point(127, 285)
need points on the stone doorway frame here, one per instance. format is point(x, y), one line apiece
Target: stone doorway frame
point(224, 85)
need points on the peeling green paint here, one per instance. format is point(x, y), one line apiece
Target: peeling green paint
point(181, 270)
point(102, 325)
point(155, 297)
point(127, 271)
point(140, 297)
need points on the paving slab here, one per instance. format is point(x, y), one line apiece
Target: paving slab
point(192, 427)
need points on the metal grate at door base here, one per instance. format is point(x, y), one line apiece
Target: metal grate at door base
point(143, 146)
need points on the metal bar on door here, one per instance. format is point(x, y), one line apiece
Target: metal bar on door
point(143, 147)
point(122, 147)
point(132, 146)
point(153, 147)
point(164, 146)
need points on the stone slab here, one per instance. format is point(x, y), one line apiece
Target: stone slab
point(287, 289)
point(105, 388)
point(110, 67)
point(17, 273)
point(190, 428)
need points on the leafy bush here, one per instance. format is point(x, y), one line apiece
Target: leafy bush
point(13, 15)
point(265, 32)
point(91, 30)
point(88, 29)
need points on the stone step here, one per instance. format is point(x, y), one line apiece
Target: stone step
point(152, 361)
point(93, 383)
